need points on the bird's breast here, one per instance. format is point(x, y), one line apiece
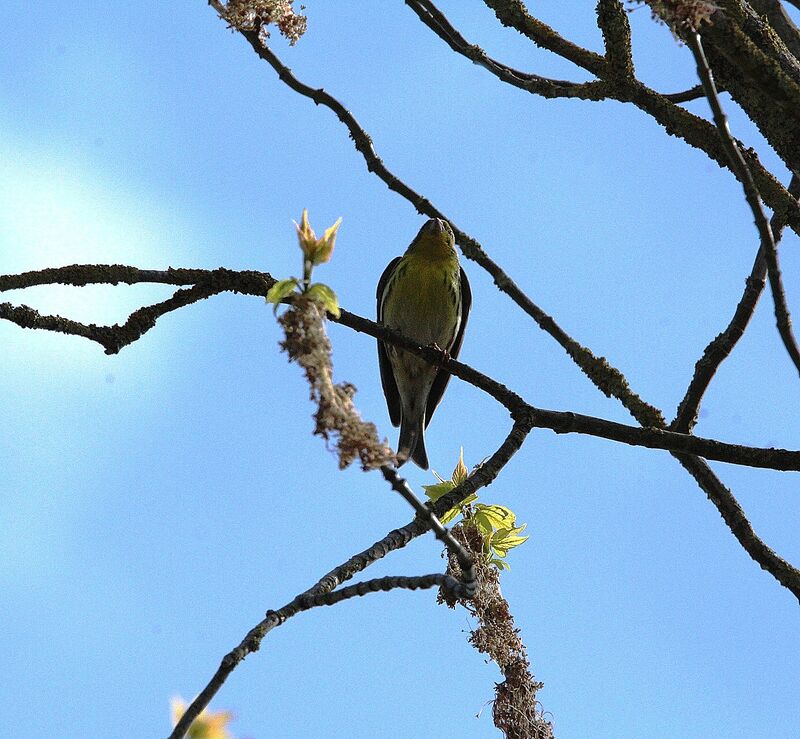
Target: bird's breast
point(423, 300)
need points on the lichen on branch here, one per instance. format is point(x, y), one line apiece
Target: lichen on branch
point(515, 710)
point(336, 418)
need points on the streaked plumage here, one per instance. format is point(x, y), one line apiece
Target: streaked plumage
point(426, 296)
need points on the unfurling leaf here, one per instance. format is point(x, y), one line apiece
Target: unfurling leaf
point(460, 473)
point(280, 290)
point(323, 295)
point(316, 251)
point(496, 523)
point(504, 540)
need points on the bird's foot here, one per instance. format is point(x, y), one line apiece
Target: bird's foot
point(446, 353)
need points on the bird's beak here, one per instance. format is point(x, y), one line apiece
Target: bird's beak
point(436, 226)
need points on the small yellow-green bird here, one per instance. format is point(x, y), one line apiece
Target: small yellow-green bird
point(425, 295)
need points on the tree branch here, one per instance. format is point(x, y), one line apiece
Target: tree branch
point(751, 194)
point(465, 588)
point(612, 20)
point(115, 337)
point(567, 422)
point(753, 62)
point(432, 17)
point(736, 520)
point(677, 121)
point(685, 96)
point(722, 345)
point(514, 14)
point(317, 594)
point(779, 19)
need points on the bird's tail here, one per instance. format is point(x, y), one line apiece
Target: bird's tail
point(411, 444)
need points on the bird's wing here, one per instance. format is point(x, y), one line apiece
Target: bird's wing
point(387, 376)
point(443, 377)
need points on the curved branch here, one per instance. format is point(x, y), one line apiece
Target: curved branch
point(319, 591)
point(514, 14)
point(781, 22)
point(722, 345)
point(567, 422)
point(113, 338)
point(465, 588)
point(685, 96)
point(432, 17)
point(702, 135)
point(752, 196)
point(677, 121)
point(736, 520)
point(116, 337)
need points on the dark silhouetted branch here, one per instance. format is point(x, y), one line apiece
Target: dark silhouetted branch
point(752, 196)
point(113, 338)
point(677, 121)
point(432, 17)
point(722, 345)
point(464, 589)
point(736, 520)
point(116, 337)
point(316, 595)
point(685, 96)
point(514, 14)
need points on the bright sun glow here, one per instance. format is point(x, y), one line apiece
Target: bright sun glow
point(55, 212)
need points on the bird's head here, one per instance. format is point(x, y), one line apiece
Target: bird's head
point(436, 235)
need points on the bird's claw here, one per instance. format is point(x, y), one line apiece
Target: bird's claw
point(446, 353)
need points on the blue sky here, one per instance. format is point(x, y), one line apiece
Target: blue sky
point(154, 504)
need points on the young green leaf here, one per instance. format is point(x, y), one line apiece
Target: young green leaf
point(494, 516)
point(434, 492)
point(280, 290)
point(325, 296)
point(504, 540)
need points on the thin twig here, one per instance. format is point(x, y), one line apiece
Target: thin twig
point(722, 345)
point(736, 520)
point(432, 17)
point(514, 14)
point(399, 485)
point(685, 95)
point(113, 338)
point(394, 540)
point(752, 196)
point(606, 377)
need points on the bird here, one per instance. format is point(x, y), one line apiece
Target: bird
point(425, 295)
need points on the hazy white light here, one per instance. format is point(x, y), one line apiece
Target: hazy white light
point(55, 212)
